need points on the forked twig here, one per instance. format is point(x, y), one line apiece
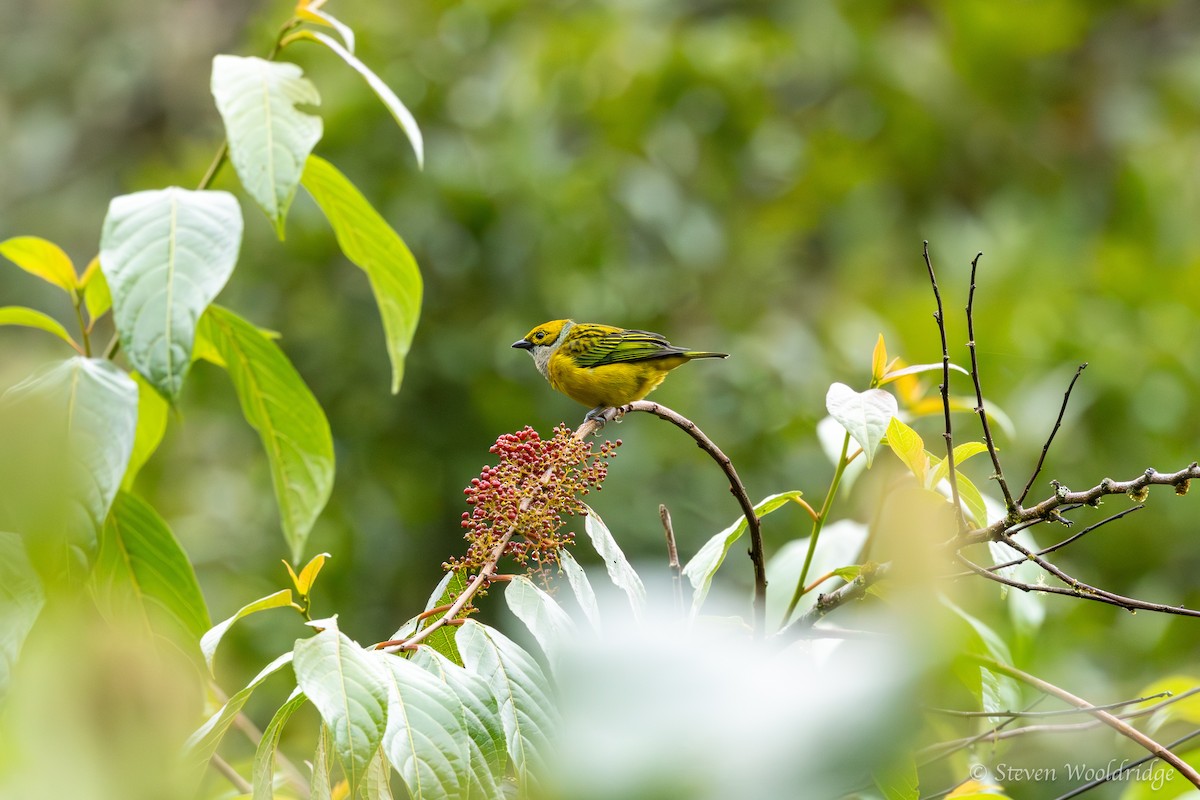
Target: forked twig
point(1057, 424)
point(1009, 505)
point(948, 435)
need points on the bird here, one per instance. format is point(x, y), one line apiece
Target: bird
point(603, 366)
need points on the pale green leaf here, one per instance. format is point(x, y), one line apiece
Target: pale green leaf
point(909, 447)
point(269, 138)
point(708, 559)
point(581, 587)
point(479, 712)
point(142, 570)
point(378, 783)
point(290, 422)
point(898, 780)
point(151, 425)
point(994, 691)
point(975, 506)
point(914, 369)
point(311, 12)
point(268, 745)
point(96, 296)
point(202, 744)
point(620, 571)
point(210, 640)
point(520, 687)
point(962, 453)
point(864, 414)
point(394, 105)
point(166, 255)
point(21, 601)
point(367, 240)
point(542, 614)
point(42, 258)
point(425, 738)
point(322, 783)
point(29, 318)
point(67, 431)
point(349, 688)
point(840, 544)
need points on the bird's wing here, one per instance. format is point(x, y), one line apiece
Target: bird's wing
point(604, 345)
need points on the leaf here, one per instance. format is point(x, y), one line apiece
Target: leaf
point(378, 785)
point(479, 712)
point(290, 422)
point(322, 765)
point(1186, 710)
point(425, 738)
point(443, 639)
point(398, 110)
point(976, 507)
point(620, 572)
point(42, 258)
point(914, 369)
point(21, 601)
point(304, 581)
point(29, 318)
point(581, 587)
point(708, 559)
point(994, 691)
point(142, 569)
point(96, 296)
point(350, 690)
point(840, 544)
point(909, 447)
point(201, 745)
point(864, 414)
point(68, 431)
point(879, 361)
point(151, 425)
point(977, 790)
point(520, 687)
point(962, 453)
point(269, 138)
point(367, 240)
point(211, 639)
point(166, 255)
point(268, 745)
point(898, 780)
point(311, 12)
point(544, 617)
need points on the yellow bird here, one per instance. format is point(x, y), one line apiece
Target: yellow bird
point(602, 366)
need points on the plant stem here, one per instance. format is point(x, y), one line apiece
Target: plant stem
point(83, 328)
point(818, 524)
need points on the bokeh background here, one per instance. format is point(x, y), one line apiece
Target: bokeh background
point(752, 177)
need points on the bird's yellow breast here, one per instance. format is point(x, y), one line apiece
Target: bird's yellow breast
point(609, 384)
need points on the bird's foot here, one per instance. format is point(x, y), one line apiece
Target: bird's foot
point(601, 416)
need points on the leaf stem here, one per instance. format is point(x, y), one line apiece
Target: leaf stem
point(77, 302)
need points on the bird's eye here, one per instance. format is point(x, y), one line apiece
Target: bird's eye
point(540, 335)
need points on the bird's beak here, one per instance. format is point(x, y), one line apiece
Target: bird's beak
point(523, 344)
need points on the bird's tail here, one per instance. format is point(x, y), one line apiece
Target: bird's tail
point(703, 354)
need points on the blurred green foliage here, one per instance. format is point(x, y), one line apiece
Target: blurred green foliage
point(754, 178)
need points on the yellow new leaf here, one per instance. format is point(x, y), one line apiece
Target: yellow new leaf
point(909, 447)
point(43, 258)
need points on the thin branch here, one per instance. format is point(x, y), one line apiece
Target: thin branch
point(736, 487)
point(948, 435)
point(854, 590)
point(1068, 540)
point(979, 407)
point(222, 766)
point(672, 556)
point(1125, 769)
point(1057, 424)
point(1117, 724)
point(818, 524)
point(1060, 712)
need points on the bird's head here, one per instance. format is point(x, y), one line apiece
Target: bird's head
point(544, 340)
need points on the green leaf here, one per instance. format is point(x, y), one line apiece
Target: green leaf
point(290, 422)
point(202, 744)
point(994, 691)
point(29, 318)
point(269, 138)
point(581, 587)
point(544, 617)
point(914, 369)
point(479, 712)
point(442, 640)
point(21, 601)
point(268, 745)
point(620, 572)
point(210, 640)
point(68, 431)
point(970, 495)
point(166, 255)
point(321, 783)
point(898, 781)
point(350, 690)
point(310, 11)
point(96, 296)
point(1186, 710)
point(41, 258)
point(909, 447)
point(961, 453)
point(151, 425)
point(865, 415)
point(526, 707)
point(378, 783)
point(840, 544)
point(367, 240)
point(398, 110)
point(708, 559)
point(143, 570)
point(425, 739)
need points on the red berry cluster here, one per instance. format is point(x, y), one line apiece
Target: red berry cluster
point(536, 482)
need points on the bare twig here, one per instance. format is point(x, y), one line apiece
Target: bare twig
point(1117, 724)
point(736, 487)
point(672, 555)
point(222, 766)
point(1123, 770)
point(1057, 424)
point(1064, 542)
point(979, 407)
point(948, 435)
point(1060, 712)
point(869, 574)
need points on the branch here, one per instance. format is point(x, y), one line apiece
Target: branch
point(672, 556)
point(1053, 431)
point(979, 408)
point(856, 589)
point(1067, 541)
point(945, 389)
point(1117, 724)
point(1124, 769)
point(735, 486)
